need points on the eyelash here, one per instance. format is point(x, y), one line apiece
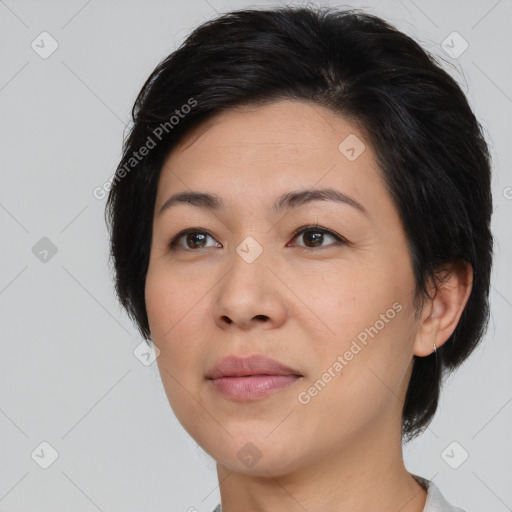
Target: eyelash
point(339, 239)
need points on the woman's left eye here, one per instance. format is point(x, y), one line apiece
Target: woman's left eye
point(316, 236)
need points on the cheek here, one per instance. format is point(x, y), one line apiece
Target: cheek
point(372, 325)
point(173, 309)
point(168, 300)
point(352, 300)
point(369, 377)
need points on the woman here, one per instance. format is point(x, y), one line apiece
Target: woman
point(300, 224)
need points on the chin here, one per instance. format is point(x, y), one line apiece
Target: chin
point(255, 455)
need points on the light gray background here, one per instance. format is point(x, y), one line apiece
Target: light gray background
point(68, 374)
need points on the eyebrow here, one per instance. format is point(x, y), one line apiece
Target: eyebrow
point(286, 201)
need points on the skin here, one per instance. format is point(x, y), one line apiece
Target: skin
point(299, 303)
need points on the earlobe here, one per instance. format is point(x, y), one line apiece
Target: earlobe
point(442, 310)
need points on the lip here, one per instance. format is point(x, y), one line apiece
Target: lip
point(234, 366)
point(250, 378)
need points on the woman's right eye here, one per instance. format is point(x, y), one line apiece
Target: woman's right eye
point(190, 239)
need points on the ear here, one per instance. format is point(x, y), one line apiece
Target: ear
point(442, 310)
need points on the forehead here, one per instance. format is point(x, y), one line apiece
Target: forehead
point(281, 140)
point(249, 156)
point(298, 117)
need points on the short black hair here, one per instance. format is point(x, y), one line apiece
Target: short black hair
point(428, 144)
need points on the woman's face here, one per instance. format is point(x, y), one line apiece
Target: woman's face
point(334, 303)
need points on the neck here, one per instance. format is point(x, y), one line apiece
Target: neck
point(365, 474)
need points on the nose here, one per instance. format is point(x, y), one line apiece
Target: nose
point(250, 296)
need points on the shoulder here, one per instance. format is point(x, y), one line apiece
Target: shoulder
point(436, 502)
